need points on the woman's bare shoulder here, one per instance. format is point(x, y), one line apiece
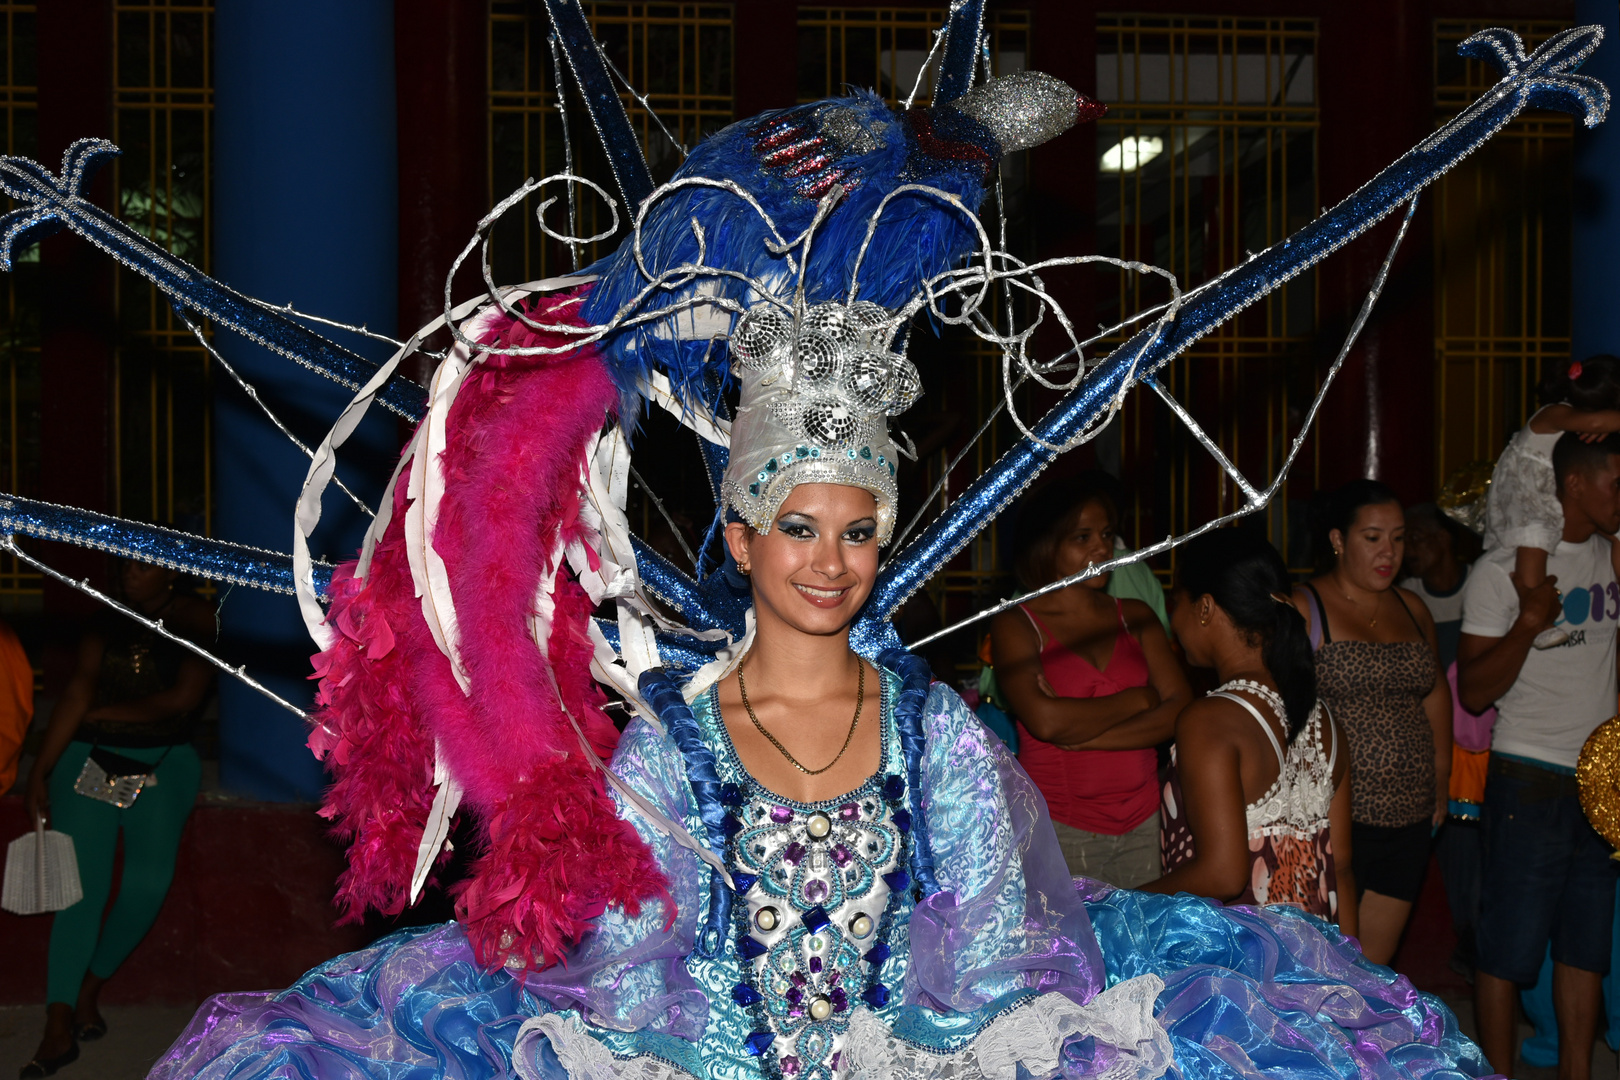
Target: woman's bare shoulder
point(1414, 603)
point(1209, 716)
point(1138, 616)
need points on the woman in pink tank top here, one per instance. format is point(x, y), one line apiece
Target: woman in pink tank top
point(1093, 685)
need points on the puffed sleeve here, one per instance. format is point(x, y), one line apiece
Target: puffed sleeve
point(1006, 916)
point(629, 973)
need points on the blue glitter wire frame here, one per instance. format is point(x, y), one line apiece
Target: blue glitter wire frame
point(48, 203)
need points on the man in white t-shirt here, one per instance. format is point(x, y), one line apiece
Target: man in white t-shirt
point(1547, 873)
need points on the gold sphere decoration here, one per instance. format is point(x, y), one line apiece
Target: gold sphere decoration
point(1462, 497)
point(1598, 774)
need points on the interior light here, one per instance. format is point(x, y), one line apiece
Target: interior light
point(1131, 153)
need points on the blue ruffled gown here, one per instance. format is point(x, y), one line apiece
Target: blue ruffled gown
point(922, 926)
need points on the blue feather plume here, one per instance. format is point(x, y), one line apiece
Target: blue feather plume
point(786, 159)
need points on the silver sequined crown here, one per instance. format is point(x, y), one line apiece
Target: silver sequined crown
point(815, 405)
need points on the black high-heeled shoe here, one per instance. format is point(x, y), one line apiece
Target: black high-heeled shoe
point(90, 1032)
point(37, 1068)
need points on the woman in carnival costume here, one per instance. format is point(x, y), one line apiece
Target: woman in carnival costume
point(801, 861)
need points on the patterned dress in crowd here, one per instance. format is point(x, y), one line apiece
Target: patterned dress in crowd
point(1290, 852)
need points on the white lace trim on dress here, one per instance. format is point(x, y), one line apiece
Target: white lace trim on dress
point(1031, 1035)
point(582, 1057)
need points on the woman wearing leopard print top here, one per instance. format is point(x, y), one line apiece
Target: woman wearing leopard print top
point(1246, 820)
point(1377, 669)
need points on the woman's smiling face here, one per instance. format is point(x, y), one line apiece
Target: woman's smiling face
point(815, 568)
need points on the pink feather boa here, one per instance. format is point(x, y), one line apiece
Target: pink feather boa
point(555, 853)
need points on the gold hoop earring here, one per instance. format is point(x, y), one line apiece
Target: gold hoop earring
point(741, 569)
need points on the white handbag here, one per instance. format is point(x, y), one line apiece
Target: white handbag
point(42, 873)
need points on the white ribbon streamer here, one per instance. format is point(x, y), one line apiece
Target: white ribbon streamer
point(446, 801)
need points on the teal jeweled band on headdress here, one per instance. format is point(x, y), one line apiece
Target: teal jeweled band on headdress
point(816, 397)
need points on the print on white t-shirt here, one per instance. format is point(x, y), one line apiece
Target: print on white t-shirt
point(1562, 693)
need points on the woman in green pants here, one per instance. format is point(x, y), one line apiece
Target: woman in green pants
point(136, 694)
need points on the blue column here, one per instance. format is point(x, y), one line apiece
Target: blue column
point(306, 211)
point(1595, 207)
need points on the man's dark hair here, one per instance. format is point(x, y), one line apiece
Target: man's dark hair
point(1430, 514)
point(1573, 454)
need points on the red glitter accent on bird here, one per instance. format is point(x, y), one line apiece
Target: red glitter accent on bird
point(768, 140)
point(823, 184)
point(1087, 109)
point(814, 163)
point(788, 154)
point(922, 125)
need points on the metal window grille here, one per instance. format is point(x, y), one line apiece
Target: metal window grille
point(19, 295)
point(1208, 152)
point(677, 56)
point(163, 105)
point(1502, 234)
point(887, 50)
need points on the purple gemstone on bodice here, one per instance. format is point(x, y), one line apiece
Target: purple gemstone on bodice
point(841, 855)
point(815, 890)
point(793, 853)
point(794, 995)
point(815, 965)
point(849, 811)
point(834, 977)
point(781, 815)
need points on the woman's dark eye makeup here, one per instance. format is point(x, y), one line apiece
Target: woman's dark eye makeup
point(799, 530)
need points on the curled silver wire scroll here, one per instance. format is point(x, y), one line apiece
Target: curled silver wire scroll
point(1254, 499)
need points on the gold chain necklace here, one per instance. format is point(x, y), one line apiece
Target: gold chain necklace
point(1378, 604)
point(860, 700)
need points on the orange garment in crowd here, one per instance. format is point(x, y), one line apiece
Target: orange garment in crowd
point(1468, 769)
point(16, 703)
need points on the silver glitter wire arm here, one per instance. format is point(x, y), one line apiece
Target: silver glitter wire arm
point(659, 503)
point(1259, 499)
point(9, 543)
point(1056, 365)
point(642, 101)
point(933, 51)
point(253, 393)
point(568, 144)
point(362, 331)
point(1250, 495)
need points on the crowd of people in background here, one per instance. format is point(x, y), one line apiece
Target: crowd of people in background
point(1425, 694)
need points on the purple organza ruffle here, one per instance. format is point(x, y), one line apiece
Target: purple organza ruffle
point(1007, 916)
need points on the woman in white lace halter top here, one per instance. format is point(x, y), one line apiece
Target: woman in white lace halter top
point(1256, 809)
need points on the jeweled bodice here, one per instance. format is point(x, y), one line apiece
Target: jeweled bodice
point(820, 889)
